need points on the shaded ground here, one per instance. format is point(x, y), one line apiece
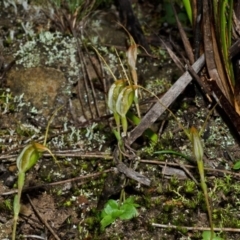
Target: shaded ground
point(48, 74)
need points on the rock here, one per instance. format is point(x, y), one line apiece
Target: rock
point(41, 86)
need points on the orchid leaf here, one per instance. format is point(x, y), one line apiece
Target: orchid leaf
point(187, 5)
point(113, 210)
point(236, 166)
point(107, 220)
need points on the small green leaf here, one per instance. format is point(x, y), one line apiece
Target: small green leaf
point(148, 132)
point(187, 5)
point(110, 206)
point(129, 211)
point(112, 211)
point(113, 204)
point(129, 200)
point(117, 213)
point(236, 166)
point(107, 220)
point(206, 235)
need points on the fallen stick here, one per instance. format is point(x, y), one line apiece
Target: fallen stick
point(196, 228)
point(167, 99)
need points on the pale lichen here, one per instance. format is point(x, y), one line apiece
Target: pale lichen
point(50, 49)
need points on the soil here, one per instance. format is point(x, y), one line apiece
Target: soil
point(44, 69)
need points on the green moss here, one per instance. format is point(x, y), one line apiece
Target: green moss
point(6, 205)
point(174, 182)
point(189, 186)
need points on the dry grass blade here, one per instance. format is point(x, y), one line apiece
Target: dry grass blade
point(226, 106)
point(213, 61)
point(197, 16)
point(174, 57)
point(184, 37)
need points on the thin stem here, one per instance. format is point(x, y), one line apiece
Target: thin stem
point(205, 192)
point(16, 203)
point(48, 125)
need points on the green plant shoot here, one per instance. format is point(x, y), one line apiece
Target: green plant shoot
point(187, 5)
point(207, 234)
point(194, 137)
point(113, 210)
point(25, 161)
point(236, 166)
